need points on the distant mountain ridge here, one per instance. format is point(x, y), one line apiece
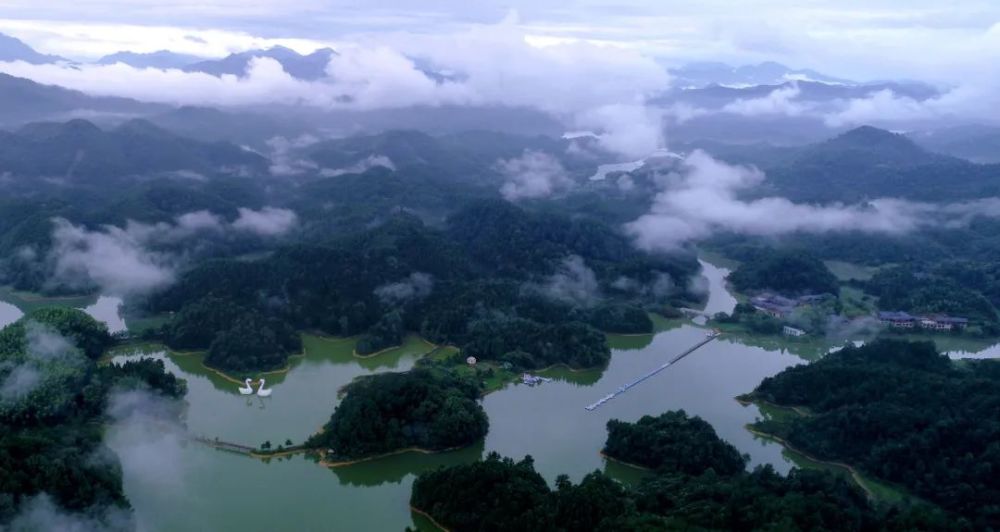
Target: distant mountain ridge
point(307, 67)
point(23, 100)
point(12, 49)
point(79, 150)
point(713, 96)
point(867, 163)
point(703, 74)
point(163, 59)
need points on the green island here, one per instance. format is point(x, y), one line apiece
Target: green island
point(54, 405)
point(689, 489)
point(902, 413)
point(429, 410)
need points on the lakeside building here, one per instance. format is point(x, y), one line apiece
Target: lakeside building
point(792, 331)
point(933, 322)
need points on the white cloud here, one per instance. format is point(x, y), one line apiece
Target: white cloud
point(284, 160)
point(881, 106)
point(265, 82)
point(779, 101)
point(417, 285)
point(128, 260)
point(148, 439)
point(534, 174)
point(113, 259)
point(628, 129)
point(46, 355)
point(574, 283)
point(602, 87)
point(268, 221)
point(362, 166)
point(40, 513)
point(704, 199)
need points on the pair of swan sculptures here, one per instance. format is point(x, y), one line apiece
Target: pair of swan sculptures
point(261, 391)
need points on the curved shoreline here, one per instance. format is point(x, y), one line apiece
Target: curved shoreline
point(624, 463)
point(855, 475)
point(429, 518)
point(757, 401)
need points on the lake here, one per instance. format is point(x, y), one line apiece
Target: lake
point(175, 484)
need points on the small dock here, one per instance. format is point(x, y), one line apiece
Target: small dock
point(626, 387)
point(225, 446)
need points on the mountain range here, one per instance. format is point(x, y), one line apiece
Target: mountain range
point(12, 49)
point(308, 67)
point(867, 163)
point(162, 59)
point(703, 74)
point(79, 150)
point(23, 100)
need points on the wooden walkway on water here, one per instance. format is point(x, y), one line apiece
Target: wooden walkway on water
point(626, 387)
point(226, 446)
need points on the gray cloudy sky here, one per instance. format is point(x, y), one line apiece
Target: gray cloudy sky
point(926, 39)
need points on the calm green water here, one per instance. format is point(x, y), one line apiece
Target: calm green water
point(178, 486)
point(175, 485)
point(102, 308)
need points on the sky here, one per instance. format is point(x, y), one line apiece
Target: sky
point(593, 64)
point(875, 39)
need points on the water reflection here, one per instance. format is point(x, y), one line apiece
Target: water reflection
point(719, 298)
point(394, 469)
point(222, 491)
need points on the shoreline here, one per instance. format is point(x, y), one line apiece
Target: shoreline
point(624, 463)
point(429, 518)
point(323, 462)
point(32, 297)
point(757, 401)
point(855, 474)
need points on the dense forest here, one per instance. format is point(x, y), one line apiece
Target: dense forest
point(787, 272)
point(903, 413)
point(53, 401)
point(559, 284)
point(696, 491)
point(430, 409)
point(945, 289)
point(866, 163)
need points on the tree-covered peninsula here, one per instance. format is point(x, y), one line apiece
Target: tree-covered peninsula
point(54, 399)
point(901, 412)
point(701, 491)
point(428, 409)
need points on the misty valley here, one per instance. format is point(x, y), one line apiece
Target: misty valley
point(484, 277)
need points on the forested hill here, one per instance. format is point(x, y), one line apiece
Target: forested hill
point(27, 101)
point(868, 163)
point(424, 408)
point(52, 410)
point(785, 271)
point(497, 280)
point(903, 413)
point(80, 150)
